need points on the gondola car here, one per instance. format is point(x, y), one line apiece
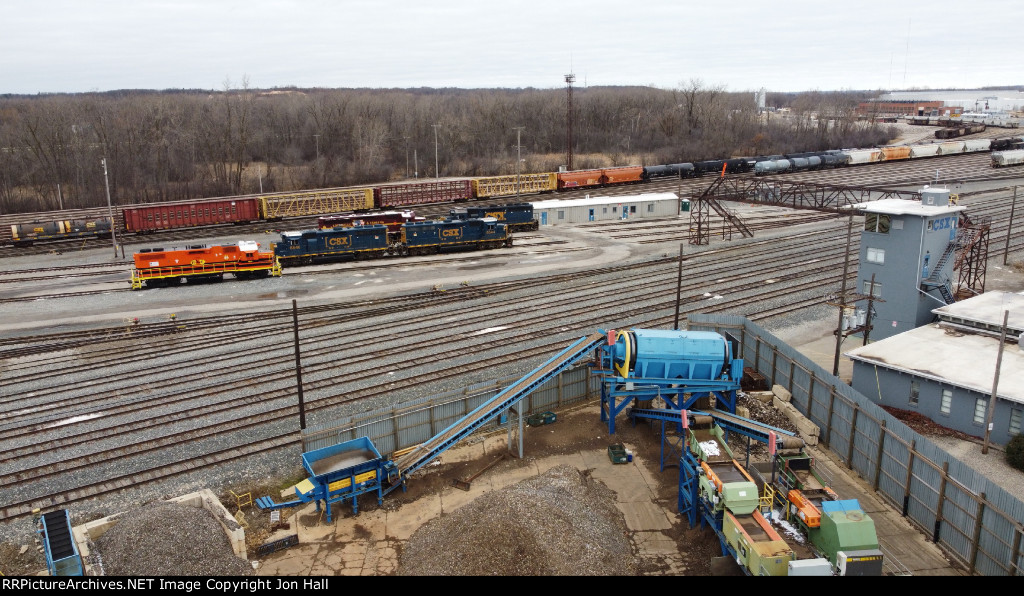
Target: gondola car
point(155, 267)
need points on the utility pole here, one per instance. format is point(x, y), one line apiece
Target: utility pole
point(437, 172)
point(842, 296)
point(298, 365)
point(317, 137)
point(110, 209)
point(406, 156)
point(679, 286)
point(519, 147)
point(995, 384)
point(569, 116)
point(416, 164)
point(1009, 228)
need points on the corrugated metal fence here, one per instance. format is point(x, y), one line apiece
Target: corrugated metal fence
point(414, 422)
point(975, 520)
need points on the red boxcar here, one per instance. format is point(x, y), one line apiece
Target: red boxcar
point(420, 193)
point(623, 175)
point(168, 216)
point(579, 179)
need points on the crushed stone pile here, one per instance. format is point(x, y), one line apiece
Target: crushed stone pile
point(563, 522)
point(164, 538)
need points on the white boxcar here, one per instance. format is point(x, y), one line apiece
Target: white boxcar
point(974, 145)
point(1007, 158)
point(951, 147)
point(859, 156)
point(576, 211)
point(923, 150)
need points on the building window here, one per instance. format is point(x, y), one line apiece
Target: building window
point(604, 210)
point(1015, 421)
point(632, 208)
point(650, 207)
point(561, 215)
point(615, 209)
point(876, 255)
point(915, 392)
point(979, 410)
point(876, 222)
point(947, 401)
point(875, 291)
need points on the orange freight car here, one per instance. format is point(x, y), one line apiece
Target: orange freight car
point(623, 175)
point(895, 153)
point(155, 267)
point(580, 179)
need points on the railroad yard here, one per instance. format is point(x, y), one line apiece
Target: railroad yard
point(112, 397)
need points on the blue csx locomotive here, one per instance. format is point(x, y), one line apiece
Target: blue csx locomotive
point(362, 242)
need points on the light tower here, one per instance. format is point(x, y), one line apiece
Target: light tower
point(569, 80)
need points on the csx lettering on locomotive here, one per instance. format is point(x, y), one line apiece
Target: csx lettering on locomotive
point(342, 241)
point(453, 233)
point(498, 215)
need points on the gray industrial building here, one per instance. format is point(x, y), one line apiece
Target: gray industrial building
point(947, 370)
point(573, 211)
point(907, 248)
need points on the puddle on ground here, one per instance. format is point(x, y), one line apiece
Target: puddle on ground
point(288, 294)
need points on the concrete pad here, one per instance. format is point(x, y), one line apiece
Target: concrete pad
point(573, 459)
point(652, 480)
point(452, 498)
point(642, 517)
point(317, 531)
point(373, 523)
point(514, 476)
point(296, 560)
point(403, 523)
point(626, 481)
point(655, 543)
point(598, 459)
point(464, 453)
point(327, 562)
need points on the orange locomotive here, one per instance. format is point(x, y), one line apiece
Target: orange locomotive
point(155, 267)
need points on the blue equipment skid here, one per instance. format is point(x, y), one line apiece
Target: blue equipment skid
point(337, 473)
point(61, 552)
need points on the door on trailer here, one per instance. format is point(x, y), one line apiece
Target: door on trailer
point(590, 217)
point(543, 218)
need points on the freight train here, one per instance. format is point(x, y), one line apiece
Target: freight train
point(374, 241)
point(147, 218)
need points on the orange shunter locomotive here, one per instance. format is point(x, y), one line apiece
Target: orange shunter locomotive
point(156, 267)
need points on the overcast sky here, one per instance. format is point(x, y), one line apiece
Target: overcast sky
point(796, 45)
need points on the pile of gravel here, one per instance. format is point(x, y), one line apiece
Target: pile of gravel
point(164, 538)
point(562, 522)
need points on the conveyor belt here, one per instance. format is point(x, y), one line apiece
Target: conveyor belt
point(730, 422)
point(428, 450)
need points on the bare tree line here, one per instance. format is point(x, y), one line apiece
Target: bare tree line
point(181, 145)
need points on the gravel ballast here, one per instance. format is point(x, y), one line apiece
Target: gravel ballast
point(164, 538)
point(563, 522)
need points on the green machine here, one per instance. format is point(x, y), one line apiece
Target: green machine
point(847, 538)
